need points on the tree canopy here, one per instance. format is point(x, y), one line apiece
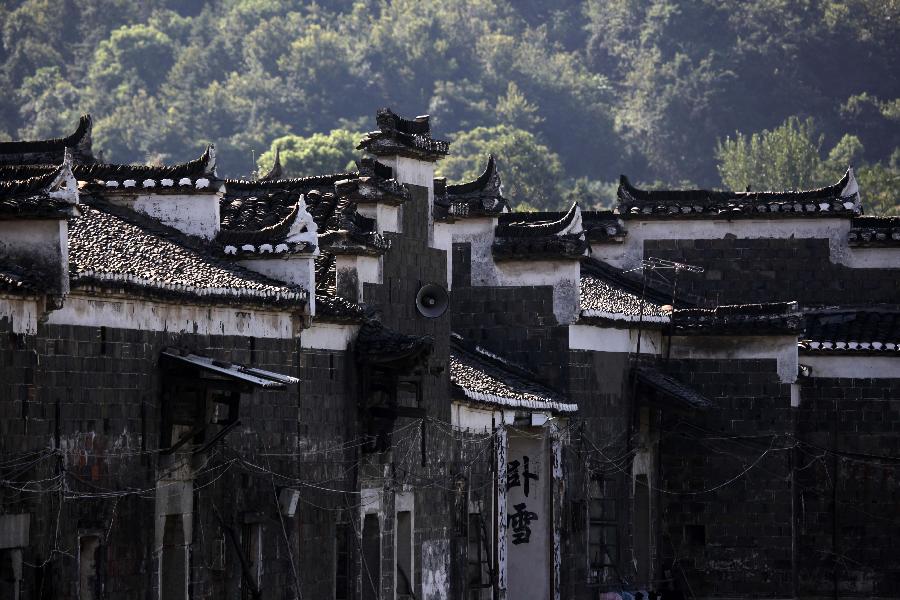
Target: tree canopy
point(652, 88)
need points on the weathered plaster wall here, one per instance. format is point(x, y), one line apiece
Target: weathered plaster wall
point(479, 234)
point(22, 313)
point(297, 269)
point(832, 230)
point(126, 313)
point(42, 245)
point(194, 214)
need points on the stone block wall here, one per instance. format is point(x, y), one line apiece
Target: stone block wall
point(517, 322)
point(848, 487)
point(86, 400)
point(724, 484)
point(740, 271)
point(598, 383)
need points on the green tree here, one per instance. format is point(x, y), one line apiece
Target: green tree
point(49, 104)
point(319, 153)
point(785, 158)
point(531, 172)
point(789, 157)
point(515, 110)
point(133, 58)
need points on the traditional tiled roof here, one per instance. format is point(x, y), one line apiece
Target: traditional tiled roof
point(610, 296)
point(874, 232)
point(746, 319)
point(673, 390)
point(403, 137)
point(375, 184)
point(295, 234)
point(603, 227)
point(539, 235)
point(480, 197)
point(115, 248)
point(838, 200)
point(254, 205)
point(348, 232)
point(852, 331)
point(377, 345)
point(276, 172)
point(21, 281)
point(483, 377)
point(329, 306)
point(198, 175)
point(50, 151)
point(52, 195)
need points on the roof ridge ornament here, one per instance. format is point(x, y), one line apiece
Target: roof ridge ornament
point(64, 186)
point(276, 172)
point(210, 157)
point(304, 228)
point(851, 188)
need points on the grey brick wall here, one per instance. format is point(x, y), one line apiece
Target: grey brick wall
point(770, 270)
point(848, 534)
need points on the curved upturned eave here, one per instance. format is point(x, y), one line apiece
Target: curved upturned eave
point(30, 146)
point(476, 185)
point(628, 193)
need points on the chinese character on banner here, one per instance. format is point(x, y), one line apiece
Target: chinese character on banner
point(512, 475)
point(519, 521)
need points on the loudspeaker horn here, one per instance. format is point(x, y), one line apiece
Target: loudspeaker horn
point(432, 300)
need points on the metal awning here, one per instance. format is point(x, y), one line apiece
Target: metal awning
point(258, 377)
point(682, 395)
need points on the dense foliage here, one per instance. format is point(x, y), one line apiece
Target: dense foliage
point(568, 94)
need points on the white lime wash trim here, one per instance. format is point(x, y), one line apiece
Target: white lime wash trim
point(127, 313)
point(518, 402)
point(623, 317)
point(853, 367)
point(478, 232)
point(328, 336)
point(629, 254)
point(612, 339)
point(780, 348)
point(23, 313)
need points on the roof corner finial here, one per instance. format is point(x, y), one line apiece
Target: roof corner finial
point(851, 188)
point(210, 167)
point(276, 172)
point(64, 185)
point(304, 228)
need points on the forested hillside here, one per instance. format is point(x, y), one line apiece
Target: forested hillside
point(568, 94)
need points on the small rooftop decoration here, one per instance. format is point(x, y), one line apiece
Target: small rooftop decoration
point(480, 197)
point(403, 137)
point(540, 235)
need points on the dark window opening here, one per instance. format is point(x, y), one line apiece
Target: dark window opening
point(478, 576)
point(404, 581)
point(695, 535)
point(251, 542)
point(342, 557)
point(371, 558)
point(90, 584)
point(603, 530)
point(173, 575)
point(642, 529)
